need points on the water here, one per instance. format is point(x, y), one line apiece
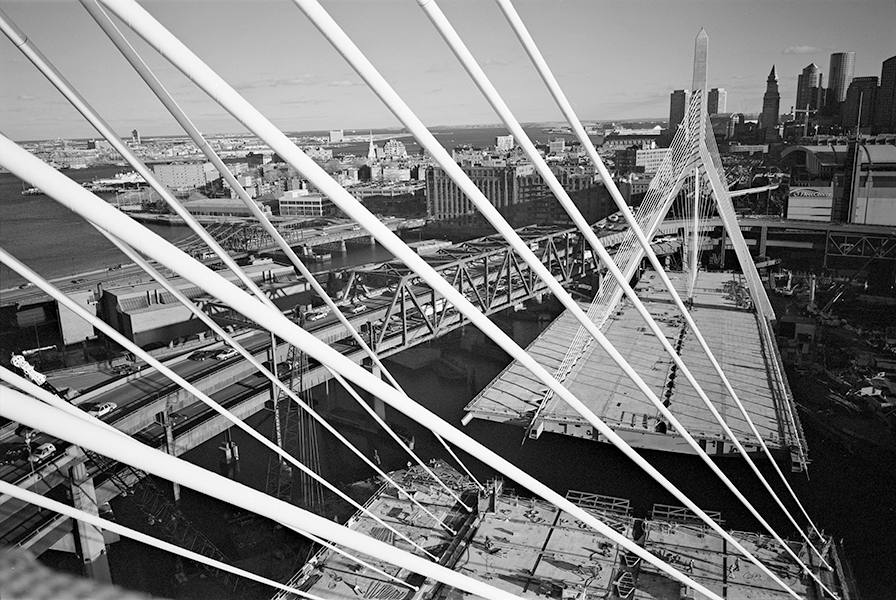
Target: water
point(448, 137)
point(52, 240)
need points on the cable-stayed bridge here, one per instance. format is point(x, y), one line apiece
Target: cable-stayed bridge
point(692, 168)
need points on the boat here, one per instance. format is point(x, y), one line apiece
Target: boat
point(32, 191)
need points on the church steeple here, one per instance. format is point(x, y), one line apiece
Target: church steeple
point(371, 151)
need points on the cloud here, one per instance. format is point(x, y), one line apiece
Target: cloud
point(304, 79)
point(801, 50)
point(312, 101)
point(343, 83)
point(26, 97)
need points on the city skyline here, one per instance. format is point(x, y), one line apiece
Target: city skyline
point(281, 64)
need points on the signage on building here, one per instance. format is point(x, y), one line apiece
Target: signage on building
point(810, 203)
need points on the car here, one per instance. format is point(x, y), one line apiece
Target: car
point(357, 308)
point(13, 452)
point(26, 432)
point(103, 409)
point(79, 280)
point(226, 353)
point(25, 286)
point(202, 354)
point(316, 315)
point(42, 452)
point(125, 369)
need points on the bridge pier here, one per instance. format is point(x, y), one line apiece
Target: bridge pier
point(379, 407)
point(723, 241)
point(170, 447)
point(763, 240)
point(89, 542)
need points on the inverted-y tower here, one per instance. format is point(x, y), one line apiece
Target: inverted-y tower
point(693, 163)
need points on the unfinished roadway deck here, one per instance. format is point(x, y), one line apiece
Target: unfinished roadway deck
point(529, 548)
point(747, 354)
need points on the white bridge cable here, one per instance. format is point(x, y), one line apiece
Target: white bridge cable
point(55, 401)
point(108, 330)
point(155, 34)
point(476, 73)
point(20, 40)
point(208, 321)
point(100, 523)
point(664, 188)
point(401, 444)
point(27, 167)
point(31, 412)
point(558, 95)
point(132, 56)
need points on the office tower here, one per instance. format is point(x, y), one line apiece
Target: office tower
point(808, 88)
point(858, 107)
point(885, 117)
point(771, 102)
point(678, 105)
point(135, 137)
point(717, 101)
point(840, 75)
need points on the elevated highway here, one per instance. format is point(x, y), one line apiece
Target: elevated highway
point(392, 308)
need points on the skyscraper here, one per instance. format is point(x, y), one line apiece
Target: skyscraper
point(717, 101)
point(771, 102)
point(861, 98)
point(840, 75)
point(678, 105)
point(808, 88)
point(885, 117)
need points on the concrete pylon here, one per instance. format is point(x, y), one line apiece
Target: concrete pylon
point(88, 539)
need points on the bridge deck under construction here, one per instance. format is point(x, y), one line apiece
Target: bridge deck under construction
point(735, 335)
point(529, 548)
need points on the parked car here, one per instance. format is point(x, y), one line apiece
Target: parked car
point(42, 452)
point(103, 409)
point(79, 280)
point(226, 353)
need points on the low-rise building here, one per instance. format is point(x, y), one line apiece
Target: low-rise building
point(302, 203)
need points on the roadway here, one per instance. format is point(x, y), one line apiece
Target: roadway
point(391, 318)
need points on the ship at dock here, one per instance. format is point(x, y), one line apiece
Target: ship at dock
point(528, 547)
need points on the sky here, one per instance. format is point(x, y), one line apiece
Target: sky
point(614, 60)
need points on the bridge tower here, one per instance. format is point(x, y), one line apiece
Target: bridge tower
point(691, 183)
